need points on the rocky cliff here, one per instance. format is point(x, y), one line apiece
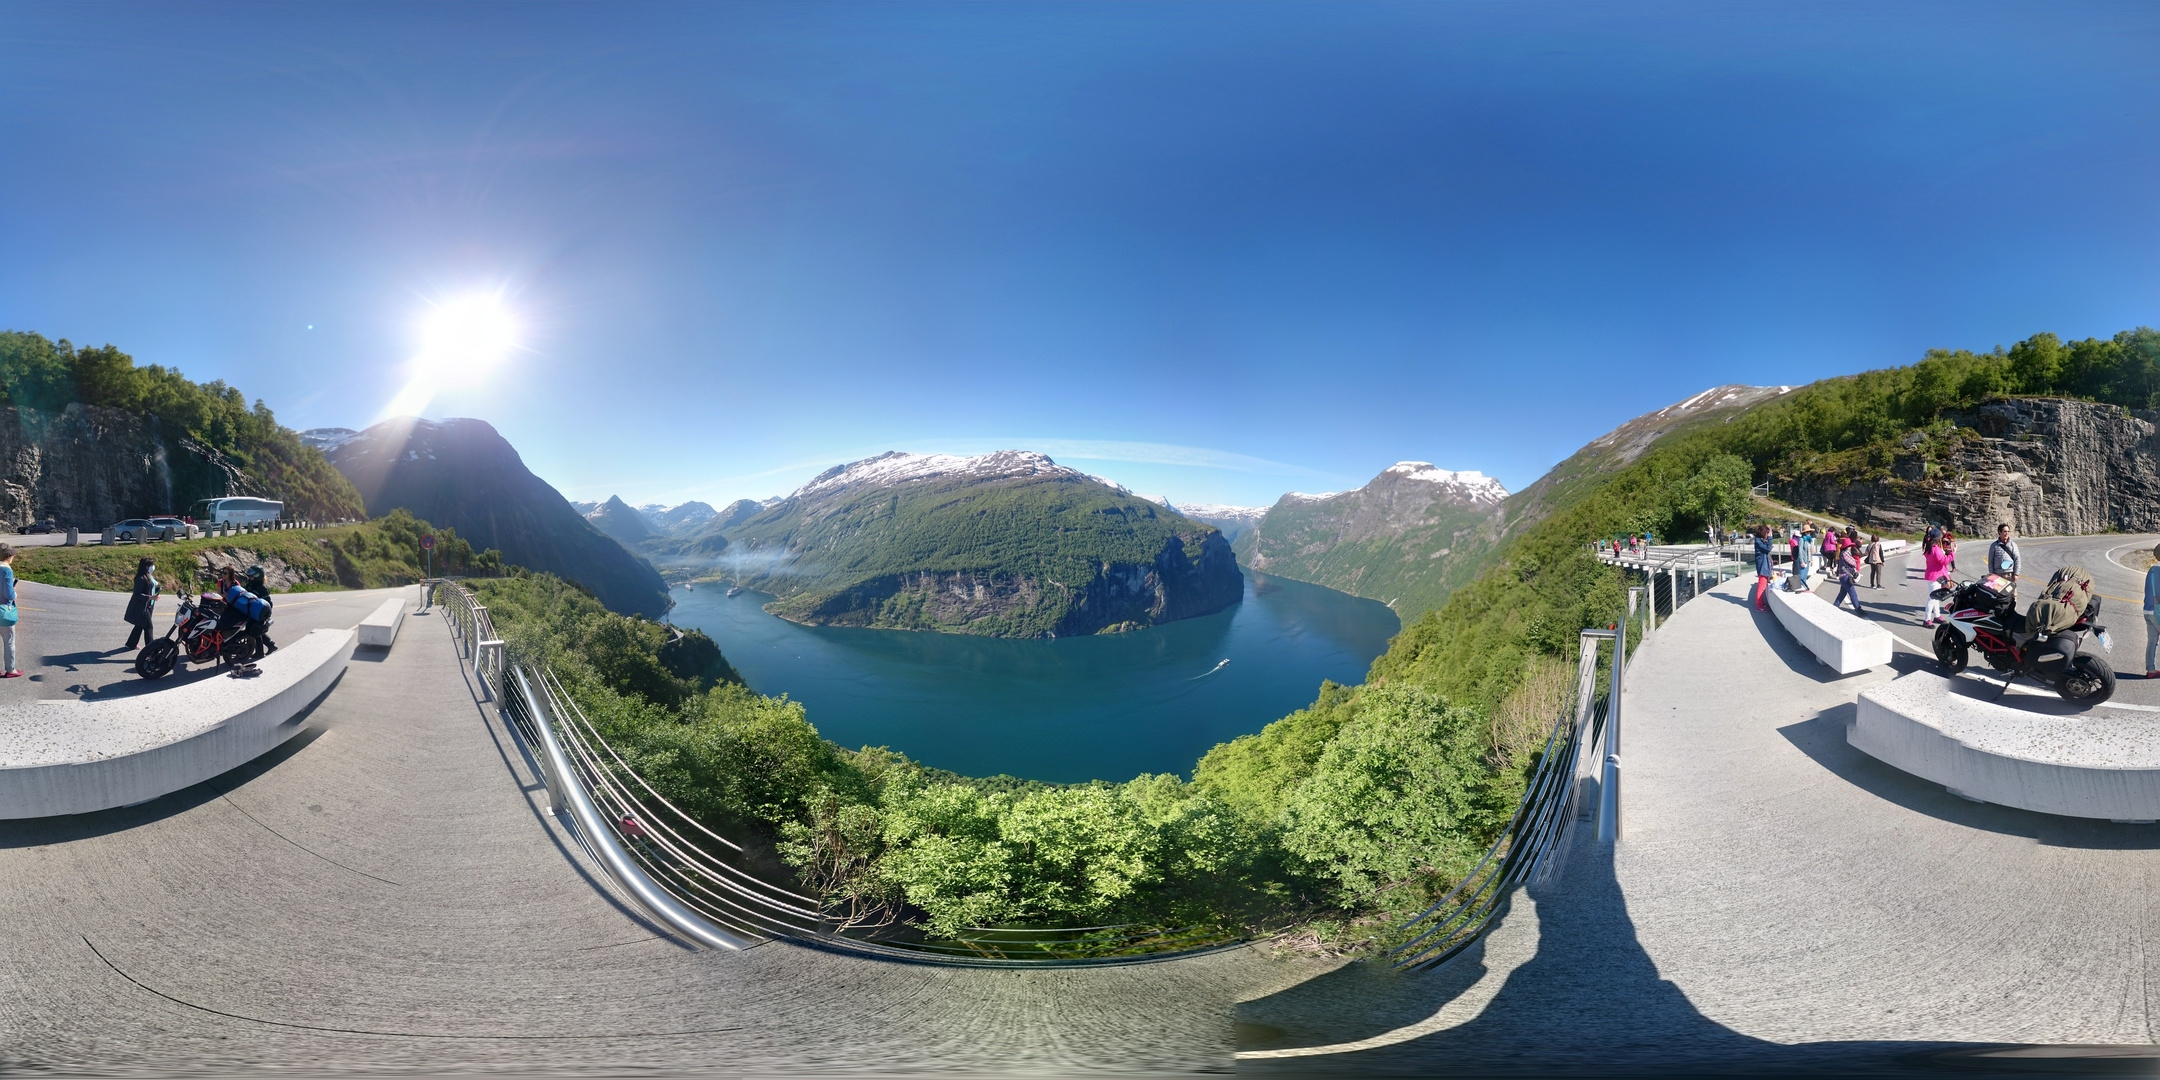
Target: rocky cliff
point(1010, 544)
point(2048, 466)
point(463, 474)
point(87, 466)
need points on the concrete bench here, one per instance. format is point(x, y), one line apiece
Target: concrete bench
point(2089, 766)
point(1840, 639)
point(74, 757)
point(381, 627)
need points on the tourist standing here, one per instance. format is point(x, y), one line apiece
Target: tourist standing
point(1806, 562)
point(1938, 567)
point(1848, 575)
point(141, 604)
point(1874, 561)
point(2152, 617)
point(8, 613)
point(2003, 556)
point(1762, 567)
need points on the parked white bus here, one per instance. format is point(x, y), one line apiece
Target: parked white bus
point(236, 511)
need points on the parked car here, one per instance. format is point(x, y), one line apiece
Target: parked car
point(178, 527)
point(133, 529)
point(39, 528)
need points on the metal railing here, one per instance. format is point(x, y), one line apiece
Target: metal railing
point(1673, 576)
point(1528, 852)
point(700, 883)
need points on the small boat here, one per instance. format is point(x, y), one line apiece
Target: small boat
point(687, 587)
point(735, 590)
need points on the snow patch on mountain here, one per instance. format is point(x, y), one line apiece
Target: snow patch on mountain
point(327, 439)
point(898, 467)
point(1468, 486)
point(1210, 511)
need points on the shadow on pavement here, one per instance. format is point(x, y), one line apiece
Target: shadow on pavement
point(1589, 1002)
point(1822, 739)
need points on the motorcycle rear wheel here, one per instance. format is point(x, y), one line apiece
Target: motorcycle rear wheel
point(2087, 681)
point(1951, 649)
point(157, 659)
point(245, 647)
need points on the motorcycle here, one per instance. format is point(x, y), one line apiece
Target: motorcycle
point(1984, 615)
point(206, 632)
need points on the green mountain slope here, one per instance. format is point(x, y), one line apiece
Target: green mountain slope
point(1408, 538)
point(1005, 545)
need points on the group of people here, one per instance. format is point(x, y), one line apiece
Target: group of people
point(1631, 544)
point(142, 603)
point(1842, 553)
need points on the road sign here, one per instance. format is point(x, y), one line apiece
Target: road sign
point(428, 543)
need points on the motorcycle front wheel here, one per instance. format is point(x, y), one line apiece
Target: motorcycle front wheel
point(1951, 649)
point(2088, 681)
point(157, 659)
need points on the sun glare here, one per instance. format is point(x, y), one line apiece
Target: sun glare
point(474, 330)
point(462, 341)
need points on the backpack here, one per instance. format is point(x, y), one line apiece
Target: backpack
point(2062, 603)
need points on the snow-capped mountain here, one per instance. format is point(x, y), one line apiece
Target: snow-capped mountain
point(898, 467)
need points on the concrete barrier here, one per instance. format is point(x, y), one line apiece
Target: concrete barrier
point(74, 757)
point(381, 627)
point(1844, 641)
point(2089, 766)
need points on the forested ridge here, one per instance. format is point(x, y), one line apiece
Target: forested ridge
point(226, 433)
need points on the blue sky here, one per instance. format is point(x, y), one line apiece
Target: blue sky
point(1216, 251)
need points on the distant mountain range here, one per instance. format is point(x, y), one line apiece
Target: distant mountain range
point(1009, 544)
point(462, 474)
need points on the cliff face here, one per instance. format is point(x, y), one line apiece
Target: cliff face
point(2048, 466)
point(87, 466)
point(462, 474)
point(1004, 545)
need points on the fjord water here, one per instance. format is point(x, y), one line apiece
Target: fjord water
point(1107, 707)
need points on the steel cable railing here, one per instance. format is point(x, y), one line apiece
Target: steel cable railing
point(1530, 849)
point(646, 844)
point(650, 846)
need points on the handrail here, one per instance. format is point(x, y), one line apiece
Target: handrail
point(601, 840)
point(644, 843)
point(1544, 819)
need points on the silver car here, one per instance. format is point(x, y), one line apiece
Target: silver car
point(134, 529)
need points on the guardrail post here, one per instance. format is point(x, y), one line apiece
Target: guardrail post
point(490, 665)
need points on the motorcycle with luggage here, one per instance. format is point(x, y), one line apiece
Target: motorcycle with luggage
point(2044, 644)
point(211, 630)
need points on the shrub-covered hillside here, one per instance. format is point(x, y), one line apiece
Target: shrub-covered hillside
point(210, 440)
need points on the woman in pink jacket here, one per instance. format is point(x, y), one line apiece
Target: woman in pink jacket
point(1938, 567)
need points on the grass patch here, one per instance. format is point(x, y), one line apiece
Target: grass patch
point(373, 555)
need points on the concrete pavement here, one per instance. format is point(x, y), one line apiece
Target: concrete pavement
point(387, 893)
point(1779, 901)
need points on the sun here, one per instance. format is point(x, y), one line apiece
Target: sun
point(474, 330)
point(462, 342)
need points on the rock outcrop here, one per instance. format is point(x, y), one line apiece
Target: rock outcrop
point(87, 466)
point(2048, 466)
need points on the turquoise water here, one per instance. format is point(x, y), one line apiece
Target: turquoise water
point(1108, 707)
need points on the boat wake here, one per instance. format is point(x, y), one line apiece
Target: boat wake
point(1210, 671)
